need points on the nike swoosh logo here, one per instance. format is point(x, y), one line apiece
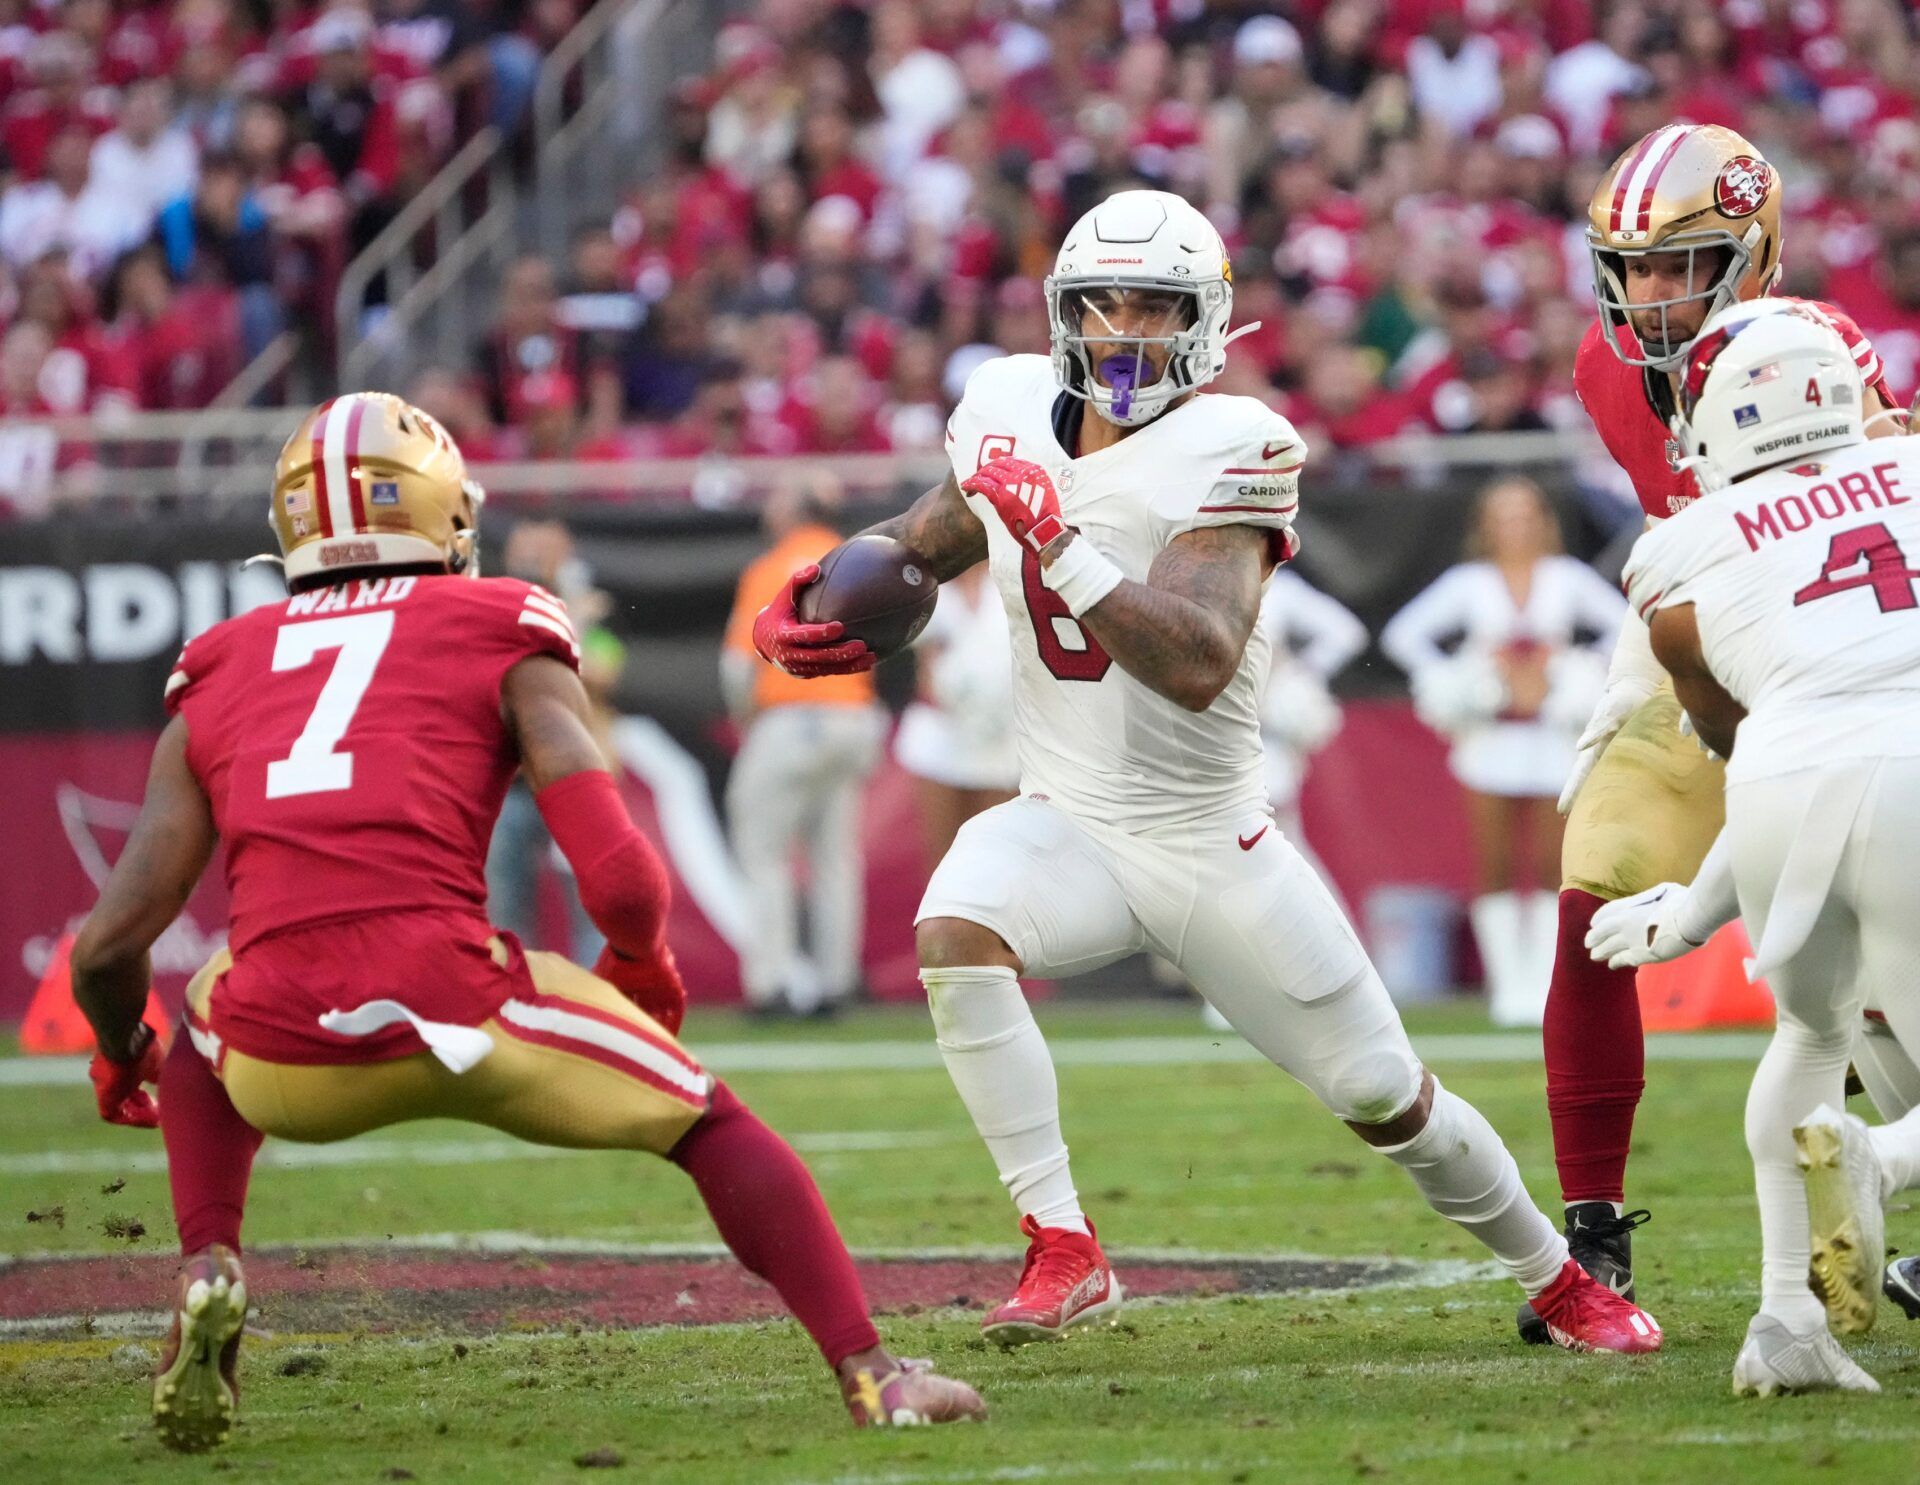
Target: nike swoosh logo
point(1248, 842)
point(1272, 450)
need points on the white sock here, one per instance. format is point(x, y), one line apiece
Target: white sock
point(1898, 1147)
point(1801, 1070)
point(1539, 938)
point(1464, 1171)
point(1000, 1066)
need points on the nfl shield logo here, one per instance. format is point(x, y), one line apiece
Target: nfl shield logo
point(1746, 417)
point(384, 492)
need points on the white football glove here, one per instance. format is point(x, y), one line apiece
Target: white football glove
point(1622, 700)
point(1633, 675)
point(1640, 929)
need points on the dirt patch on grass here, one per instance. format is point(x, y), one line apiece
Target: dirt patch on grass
point(435, 1291)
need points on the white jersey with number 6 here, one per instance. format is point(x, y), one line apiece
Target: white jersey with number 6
point(1095, 741)
point(1805, 584)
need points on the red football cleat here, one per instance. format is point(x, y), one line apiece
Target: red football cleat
point(1584, 1315)
point(1067, 1282)
point(907, 1394)
point(196, 1391)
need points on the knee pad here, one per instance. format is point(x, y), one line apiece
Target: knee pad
point(975, 1006)
point(1373, 1085)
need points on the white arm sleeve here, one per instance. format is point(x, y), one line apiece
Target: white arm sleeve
point(1710, 901)
point(1633, 663)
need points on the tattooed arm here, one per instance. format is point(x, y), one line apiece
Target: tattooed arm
point(1676, 644)
point(1182, 632)
point(940, 528)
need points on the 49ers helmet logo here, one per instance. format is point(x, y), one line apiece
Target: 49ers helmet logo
point(1742, 186)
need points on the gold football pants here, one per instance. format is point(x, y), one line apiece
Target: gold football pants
point(573, 1064)
point(1649, 810)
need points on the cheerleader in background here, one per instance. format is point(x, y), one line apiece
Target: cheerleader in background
point(1508, 654)
point(1314, 638)
point(956, 738)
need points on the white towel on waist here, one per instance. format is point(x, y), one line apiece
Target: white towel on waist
point(459, 1047)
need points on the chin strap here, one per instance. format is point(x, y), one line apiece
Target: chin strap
point(1233, 335)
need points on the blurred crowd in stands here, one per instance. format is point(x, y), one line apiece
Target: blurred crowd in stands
point(858, 201)
point(861, 201)
point(184, 179)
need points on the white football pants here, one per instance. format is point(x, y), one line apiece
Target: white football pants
point(1257, 933)
point(1823, 862)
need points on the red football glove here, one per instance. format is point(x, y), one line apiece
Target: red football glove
point(1022, 496)
point(653, 985)
point(806, 650)
point(116, 1085)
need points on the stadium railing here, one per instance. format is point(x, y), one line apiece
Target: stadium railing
point(224, 456)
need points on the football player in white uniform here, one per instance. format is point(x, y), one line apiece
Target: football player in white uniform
point(1786, 606)
point(1129, 525)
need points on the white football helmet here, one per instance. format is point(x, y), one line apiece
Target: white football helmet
point(1766, 382)
point(1150, 241)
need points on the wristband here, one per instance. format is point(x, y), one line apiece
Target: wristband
point(1081, 575)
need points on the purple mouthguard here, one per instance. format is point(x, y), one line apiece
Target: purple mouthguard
point(1121, 373)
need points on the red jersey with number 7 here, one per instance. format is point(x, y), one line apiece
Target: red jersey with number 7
point(351, 743)
point(1616, 397)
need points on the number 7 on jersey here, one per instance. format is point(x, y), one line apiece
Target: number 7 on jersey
point(313, 766)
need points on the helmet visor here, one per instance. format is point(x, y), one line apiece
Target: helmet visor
point(1705, 267)
point(1126, 338)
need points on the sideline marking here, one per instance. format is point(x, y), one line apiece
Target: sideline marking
point(372, 1151)
point(901, 1055)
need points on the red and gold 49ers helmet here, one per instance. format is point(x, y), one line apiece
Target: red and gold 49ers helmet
point(369, 480)
point(1697, 189)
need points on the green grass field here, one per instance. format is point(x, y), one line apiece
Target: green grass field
point(1422, 1381)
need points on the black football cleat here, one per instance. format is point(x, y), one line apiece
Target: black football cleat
point(1600, 1243)
point(1902, 1285)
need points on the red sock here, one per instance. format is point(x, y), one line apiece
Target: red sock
point(770, 1214)
point(1596, 1060)
point(210, 1150)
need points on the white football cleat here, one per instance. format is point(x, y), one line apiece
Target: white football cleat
point(1775, 1362)
point(1849, 1225)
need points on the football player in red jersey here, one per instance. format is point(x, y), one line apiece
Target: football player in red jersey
point(351, 747)
point(1686, 222)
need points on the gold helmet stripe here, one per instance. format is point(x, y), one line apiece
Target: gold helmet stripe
point(1633, 198)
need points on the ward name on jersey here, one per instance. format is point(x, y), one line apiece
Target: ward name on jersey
point(1092, 739)
point(1805, 583)
point(351, 744)
point(1615, 397)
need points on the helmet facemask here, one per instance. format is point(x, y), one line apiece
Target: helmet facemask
point(1094, 361)
point(1610, 288)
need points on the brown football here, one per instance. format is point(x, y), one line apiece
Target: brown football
point(880, 589)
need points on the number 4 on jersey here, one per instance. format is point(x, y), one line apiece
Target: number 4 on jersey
point(1886, 571)
point(313, 767)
